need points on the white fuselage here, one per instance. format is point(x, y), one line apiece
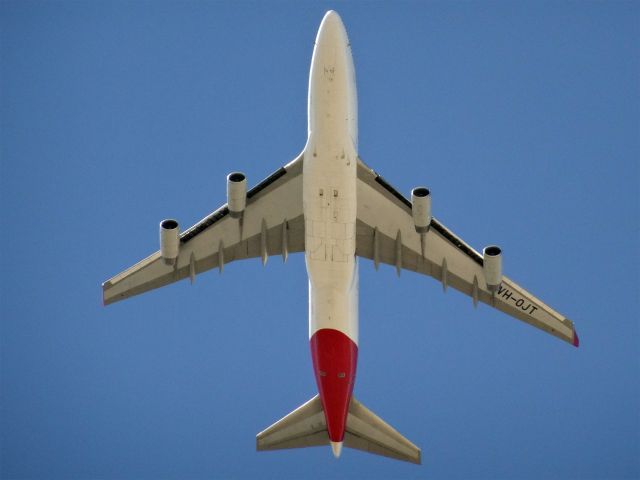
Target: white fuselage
point(329, 184)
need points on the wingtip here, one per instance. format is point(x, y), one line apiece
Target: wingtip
point(103, 288)
point(108, 299)
point(576, 340)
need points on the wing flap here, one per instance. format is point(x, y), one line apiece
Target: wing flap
point(152, 272)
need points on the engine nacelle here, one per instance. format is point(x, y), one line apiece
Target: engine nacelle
point(169, 240)
point(236, 193)
point(492, 267)
point(421, 208)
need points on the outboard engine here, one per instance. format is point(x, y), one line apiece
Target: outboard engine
point(169, 240)
point(492, 267)
point(236, 193)
point(421, 208)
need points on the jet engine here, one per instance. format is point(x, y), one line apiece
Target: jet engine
point(492, 267)
point(169, 240)
point(421, 208)
point(236, 193)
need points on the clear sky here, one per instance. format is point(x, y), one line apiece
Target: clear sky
point(523, 118)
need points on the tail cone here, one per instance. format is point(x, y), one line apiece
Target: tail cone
point(337, 449)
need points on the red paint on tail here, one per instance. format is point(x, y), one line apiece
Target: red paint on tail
point(576, 340)
point(334, 363)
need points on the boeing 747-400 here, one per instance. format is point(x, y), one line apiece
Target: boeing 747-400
point(330, 205)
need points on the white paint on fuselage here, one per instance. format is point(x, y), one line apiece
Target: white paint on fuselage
point(329, 183)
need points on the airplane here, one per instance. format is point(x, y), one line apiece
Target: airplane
point(330, 205)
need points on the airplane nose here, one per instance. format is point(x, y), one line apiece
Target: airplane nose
point(331, 16)
point(331, 28)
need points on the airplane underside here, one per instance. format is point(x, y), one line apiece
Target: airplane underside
point(328, 204)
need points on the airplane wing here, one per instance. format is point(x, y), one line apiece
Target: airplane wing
point(385, 233)
point(272, 223)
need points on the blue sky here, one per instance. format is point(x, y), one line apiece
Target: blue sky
point(523, 118)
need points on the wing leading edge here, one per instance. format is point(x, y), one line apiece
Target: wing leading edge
point(272, 224)
point(386, 234)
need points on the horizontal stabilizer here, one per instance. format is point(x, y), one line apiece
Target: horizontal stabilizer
point(368, 432)
point(306, 427)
